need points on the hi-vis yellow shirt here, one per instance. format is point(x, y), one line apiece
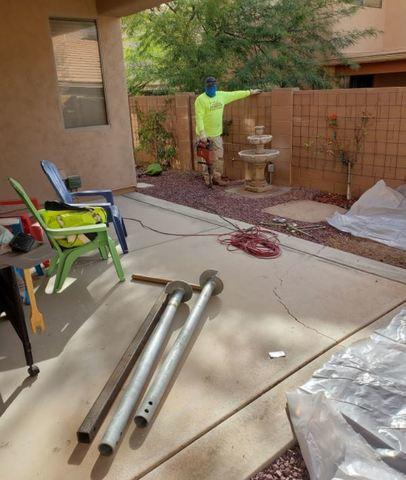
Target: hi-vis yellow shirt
point(209, 111)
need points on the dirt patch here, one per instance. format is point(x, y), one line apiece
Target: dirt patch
point(368, 248)
point(288, 466)
point(187, 188)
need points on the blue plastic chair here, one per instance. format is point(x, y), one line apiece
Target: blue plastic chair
point(113, 213)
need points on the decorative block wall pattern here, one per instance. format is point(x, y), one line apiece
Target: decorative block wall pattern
point(296, 118)
point(383, 153)
point(178, 122)
point(244, 116)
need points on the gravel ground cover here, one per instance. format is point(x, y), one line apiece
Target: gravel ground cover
point(187, 188)
point(289, 466)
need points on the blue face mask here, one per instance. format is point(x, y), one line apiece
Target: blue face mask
point(211, 91)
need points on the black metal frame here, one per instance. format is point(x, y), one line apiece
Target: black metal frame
point(10, 302)
point(102, 404)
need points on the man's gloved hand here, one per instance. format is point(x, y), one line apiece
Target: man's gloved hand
point(255, 91)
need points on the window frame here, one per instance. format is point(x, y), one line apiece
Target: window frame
point(102, 70)
point(361, 3)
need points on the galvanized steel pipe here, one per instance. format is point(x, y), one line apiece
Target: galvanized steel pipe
point(179, 292)
point(211, 285)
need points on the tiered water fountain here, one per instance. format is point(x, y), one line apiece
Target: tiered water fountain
point(257, 161)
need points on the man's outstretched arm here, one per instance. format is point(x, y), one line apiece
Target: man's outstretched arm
point(239, 94)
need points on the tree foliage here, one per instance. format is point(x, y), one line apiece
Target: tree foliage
point(244, 43)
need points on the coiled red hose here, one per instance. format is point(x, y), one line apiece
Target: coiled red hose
point(254, 241)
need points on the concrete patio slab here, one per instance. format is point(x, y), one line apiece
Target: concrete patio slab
point(298, 303)
point(304, 210)
point(246, 442)
point(158, 219)
point(255, 435)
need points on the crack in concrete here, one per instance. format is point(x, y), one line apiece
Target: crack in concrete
point(279, 299)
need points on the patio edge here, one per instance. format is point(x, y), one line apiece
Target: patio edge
point(329, 254)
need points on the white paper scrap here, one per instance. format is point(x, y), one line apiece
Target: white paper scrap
point(276, 354)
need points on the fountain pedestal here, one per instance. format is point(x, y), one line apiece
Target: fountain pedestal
point(256, 161)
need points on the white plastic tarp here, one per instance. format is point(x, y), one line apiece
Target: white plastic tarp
point(379, 214)
point(350, 417)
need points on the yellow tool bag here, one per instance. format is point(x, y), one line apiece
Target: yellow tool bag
point(61, 215)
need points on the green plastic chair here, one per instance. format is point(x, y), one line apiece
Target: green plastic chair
point(65, 258)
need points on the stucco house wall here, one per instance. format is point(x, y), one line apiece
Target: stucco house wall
point(31, 122)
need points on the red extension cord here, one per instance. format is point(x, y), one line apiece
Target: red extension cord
point(255, 241)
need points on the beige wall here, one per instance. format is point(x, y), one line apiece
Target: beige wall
point(388, 20)
point(366, 18)
point(31, 124)
point(395, 16)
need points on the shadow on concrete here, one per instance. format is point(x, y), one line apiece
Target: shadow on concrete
point(75, 300)
point(26, 383)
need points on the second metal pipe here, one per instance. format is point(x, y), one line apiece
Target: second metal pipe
point(211, 285)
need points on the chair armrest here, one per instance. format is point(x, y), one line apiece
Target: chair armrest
point(107, 194)
point(91, 204)
point(64, 232)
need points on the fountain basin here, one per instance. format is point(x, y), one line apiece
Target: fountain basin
point(256, 161)
point(252, 156)
point(259, 139)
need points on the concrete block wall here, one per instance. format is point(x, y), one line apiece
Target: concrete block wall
point(383, 153)
point(296, 118)
point(282, 131)
point(177, 122)
point(244, 116)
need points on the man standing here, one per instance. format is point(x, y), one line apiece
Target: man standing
point(209, 108)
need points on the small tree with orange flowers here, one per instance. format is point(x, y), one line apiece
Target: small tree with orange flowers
point(341, 149)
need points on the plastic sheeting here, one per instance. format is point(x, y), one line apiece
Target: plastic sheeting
point(350, 417)
point(379, 214)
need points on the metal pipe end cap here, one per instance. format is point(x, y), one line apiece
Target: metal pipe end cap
point(208, 275)
point(179, 285)
point(140, 421)
point(105, 449)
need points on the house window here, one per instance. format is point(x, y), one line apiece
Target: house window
point(361, 81)
point(369, 3)
point(78, 67)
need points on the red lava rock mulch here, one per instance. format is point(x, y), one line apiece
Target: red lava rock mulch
point(187, 188)
point(333, 199)
point(288, 466)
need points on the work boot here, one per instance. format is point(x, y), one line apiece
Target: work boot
point(206, 178)
point(219, 180)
